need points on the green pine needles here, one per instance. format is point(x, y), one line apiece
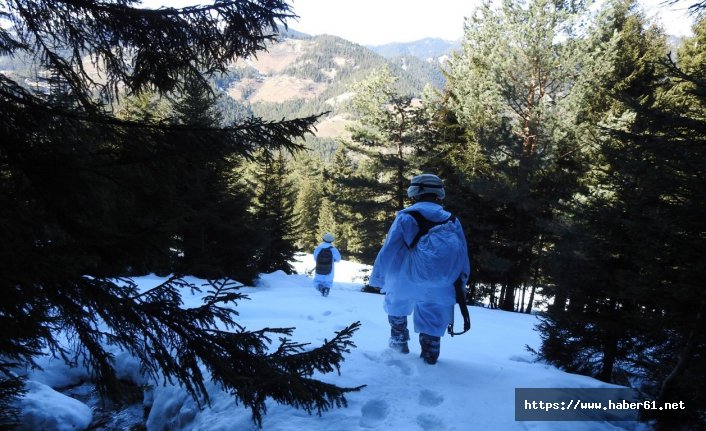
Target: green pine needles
point(98, 184)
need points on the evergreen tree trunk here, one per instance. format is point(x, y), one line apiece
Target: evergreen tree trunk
point(530, 303)
point(521, 308)
point(610, 351)
point(508, 302)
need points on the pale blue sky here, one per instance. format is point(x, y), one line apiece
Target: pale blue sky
point(376, 22)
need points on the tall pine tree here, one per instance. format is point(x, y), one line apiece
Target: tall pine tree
point(381, 141)
point(215, 209)
point(506, 92)
point(273, 211)
point(308, 169)
point(629, 303)
point(84, 194)
point(343, 197)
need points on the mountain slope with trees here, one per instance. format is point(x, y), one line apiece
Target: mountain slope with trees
point(302, 75)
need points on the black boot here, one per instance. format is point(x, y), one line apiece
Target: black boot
point(430, 348)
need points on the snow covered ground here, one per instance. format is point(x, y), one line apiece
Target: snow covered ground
point(470, 388)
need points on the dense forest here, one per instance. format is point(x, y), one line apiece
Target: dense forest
point(571, 143)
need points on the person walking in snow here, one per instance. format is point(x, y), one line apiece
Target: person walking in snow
point(325, 255)
point(417, 273)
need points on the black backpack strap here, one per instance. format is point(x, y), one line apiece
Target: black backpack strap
point(422, 223)
point(425, 225)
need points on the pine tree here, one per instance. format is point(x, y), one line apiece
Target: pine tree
point(629, 300)
point(273, 211)
point(444, 149)
point(342, 196)
point(86, 197)
point(384, 133)
point(310, 195)
point(201, 183)
point(506, 91)
point(665, 161)
point(592, 262)
point(382, 140)
point(144, 107)
point(197, 106)
point(215, 212)
point(327, 220)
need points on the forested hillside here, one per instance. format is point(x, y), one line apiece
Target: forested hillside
point(300, 75)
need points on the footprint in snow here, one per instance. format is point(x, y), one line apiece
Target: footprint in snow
point(326, 313)
point(371, 357)
point(430, 422)
point(373, 413)
point(391, 359)
point(404, 367)
point(430, 398)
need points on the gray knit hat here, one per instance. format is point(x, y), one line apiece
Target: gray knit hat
point(328, 237)
point(426, 183)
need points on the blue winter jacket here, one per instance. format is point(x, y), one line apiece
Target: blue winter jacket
point(388, 272)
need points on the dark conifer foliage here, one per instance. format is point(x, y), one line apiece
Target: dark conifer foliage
point(444, 150)
point(274, 218)
point(86, 198)
point(9, 389)
point(629, 303)
point(591, 326)
point(381, 142)
point(508, 90)
point(665, 164)
point(215, 211)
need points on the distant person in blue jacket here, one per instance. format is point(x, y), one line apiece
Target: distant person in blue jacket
point(410, 282)
point(325, 255)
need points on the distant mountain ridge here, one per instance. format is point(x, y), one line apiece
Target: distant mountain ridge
point(426, 49)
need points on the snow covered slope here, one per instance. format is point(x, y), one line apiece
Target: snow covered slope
point(470, 388)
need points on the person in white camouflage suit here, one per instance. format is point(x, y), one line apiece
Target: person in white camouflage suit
point(432, 304)
point(323, 273)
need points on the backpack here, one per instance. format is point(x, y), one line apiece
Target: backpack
point(435, 244)
point(324, 261)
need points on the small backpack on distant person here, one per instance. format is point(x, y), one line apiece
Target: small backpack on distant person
point(324, 261)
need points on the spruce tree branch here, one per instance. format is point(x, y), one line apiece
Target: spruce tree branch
point(324, 358)
point(175, 343)
point(145, 48)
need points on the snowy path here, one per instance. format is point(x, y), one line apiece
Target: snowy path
point(471, 387)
